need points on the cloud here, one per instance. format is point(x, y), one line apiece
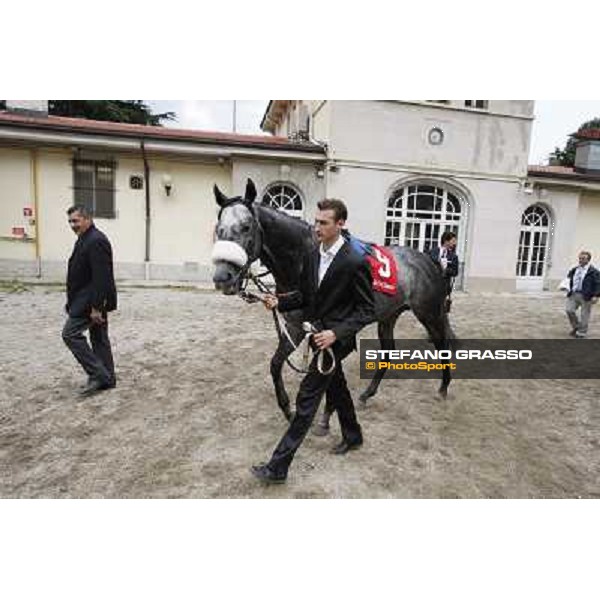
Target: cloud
point(214, 115)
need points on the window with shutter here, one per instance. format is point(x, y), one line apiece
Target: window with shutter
point(94, 186)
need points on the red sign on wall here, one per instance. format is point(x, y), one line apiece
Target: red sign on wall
point(18, 231)
point(27, 211)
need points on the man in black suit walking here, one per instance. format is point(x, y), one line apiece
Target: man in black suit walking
point(336, 294)
point(91, 295)
point(447, 259)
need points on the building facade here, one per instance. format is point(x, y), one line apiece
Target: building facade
point(408, 171)
point(150, 188)
point(411, 169)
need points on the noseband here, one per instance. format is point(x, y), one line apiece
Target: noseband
point(244, 274)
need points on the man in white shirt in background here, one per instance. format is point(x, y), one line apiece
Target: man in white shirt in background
point(584, 289)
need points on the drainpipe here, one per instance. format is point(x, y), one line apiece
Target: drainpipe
point(147, 188)
point(36, 211)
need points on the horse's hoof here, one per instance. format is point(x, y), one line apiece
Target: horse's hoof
point(443, 394)
point(320, 430)
point(361, 404)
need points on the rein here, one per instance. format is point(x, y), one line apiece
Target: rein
point(282, 331)
point(246, 276)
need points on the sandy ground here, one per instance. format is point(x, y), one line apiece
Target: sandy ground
point(194, 408)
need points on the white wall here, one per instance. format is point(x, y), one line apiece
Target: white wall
point(320, 111)
point(183, 223)
point(263, 173)
point(587, 233)
point(365, 192)
point(493, 247)
point(396, 133)
point(16, 193)
point(129, 225)
point(56, 195)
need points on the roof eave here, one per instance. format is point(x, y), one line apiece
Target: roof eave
point(566, 179)
point(266, 116)
point(91, 131)
point(269, 120)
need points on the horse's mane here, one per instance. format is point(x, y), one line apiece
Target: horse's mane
point(289, 238)
point(297, 227)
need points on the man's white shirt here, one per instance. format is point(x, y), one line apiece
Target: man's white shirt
point(443, 257)
point(579, 276)
point(327, 256)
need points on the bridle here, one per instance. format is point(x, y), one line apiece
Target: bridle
point(244, 277)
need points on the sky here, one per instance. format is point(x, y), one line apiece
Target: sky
point(554, 119)
point(214, 115)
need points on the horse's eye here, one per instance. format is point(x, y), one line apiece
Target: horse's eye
point(245, 228)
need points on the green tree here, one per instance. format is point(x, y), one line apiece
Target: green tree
point(122, 111)
point(566, 156)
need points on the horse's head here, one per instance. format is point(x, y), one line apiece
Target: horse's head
point(238, 239)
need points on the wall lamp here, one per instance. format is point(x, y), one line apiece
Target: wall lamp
point(167, 182)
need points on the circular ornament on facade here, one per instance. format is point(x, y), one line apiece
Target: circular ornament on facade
point(136, 182)
point(435, 136)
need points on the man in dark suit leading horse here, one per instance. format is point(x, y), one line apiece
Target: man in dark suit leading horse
point(336, 295)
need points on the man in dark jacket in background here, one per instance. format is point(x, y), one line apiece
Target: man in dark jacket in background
point(584, 289)
point(91, 295)
point(445, 256)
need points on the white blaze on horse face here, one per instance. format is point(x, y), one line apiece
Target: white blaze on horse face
point(234, 232)
point(233, 218)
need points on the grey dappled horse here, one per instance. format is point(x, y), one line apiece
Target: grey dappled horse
point(247, 231)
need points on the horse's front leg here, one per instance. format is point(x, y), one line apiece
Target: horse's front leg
point(284, 349)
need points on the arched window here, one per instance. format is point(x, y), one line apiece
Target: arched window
point(284, 197)
point(535, 216)
point(533, 242)
point(417, 215)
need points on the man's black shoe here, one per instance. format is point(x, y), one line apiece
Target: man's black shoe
point(266, 475)
point(90, 380)
point(86, 384)
point(344, 447)
point(93, 387)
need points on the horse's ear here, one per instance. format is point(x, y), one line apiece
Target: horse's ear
point(220, 197)
point(250, 194)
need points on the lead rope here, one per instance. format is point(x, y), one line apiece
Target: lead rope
point(309, 330)
point(282, 331)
